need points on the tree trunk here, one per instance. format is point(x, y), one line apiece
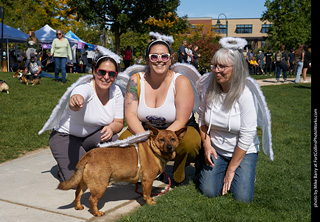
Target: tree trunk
point(117, 37)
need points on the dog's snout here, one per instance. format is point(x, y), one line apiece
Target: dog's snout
point(169, 147)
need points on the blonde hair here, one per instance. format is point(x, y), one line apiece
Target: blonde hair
point(237, 80)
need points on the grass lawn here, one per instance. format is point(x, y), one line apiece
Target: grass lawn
point(283, 187)
point(23, 113)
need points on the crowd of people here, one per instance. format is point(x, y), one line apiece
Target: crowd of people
point(281, 62)
point(188, 54)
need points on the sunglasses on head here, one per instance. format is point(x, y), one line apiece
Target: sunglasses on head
point(155, 57)
point(103, 72)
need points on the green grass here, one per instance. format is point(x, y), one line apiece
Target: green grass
point(23, 113)
point(283, 187)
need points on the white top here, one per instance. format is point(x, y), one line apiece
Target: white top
point(162, 116)
point(236, 127)
point(93, 116)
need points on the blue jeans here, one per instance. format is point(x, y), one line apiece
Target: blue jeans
point(60, 64)
point(242, 186)
point(299, 66)
point(284, 69)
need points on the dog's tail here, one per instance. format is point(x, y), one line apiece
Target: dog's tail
point(75, 179)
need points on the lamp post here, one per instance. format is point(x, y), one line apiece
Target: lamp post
point(219, 23)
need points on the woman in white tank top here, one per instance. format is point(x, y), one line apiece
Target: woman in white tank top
point(165, 101)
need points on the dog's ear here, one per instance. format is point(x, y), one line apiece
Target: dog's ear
point(153, 131)
point(181, 132)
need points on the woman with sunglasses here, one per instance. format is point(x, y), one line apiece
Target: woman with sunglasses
point(60, 50)
point(94, 114)
point(165, 100)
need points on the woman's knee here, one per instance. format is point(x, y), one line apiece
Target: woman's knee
point(190, 143)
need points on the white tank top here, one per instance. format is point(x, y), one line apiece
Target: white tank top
point(162, 116)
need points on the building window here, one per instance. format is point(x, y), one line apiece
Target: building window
point(221, 29)
point(244, 29)
point(265, 28)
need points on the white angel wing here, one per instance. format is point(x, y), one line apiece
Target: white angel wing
point(203, 84)
point(128, 141)
point(54, 119)
point(193, 75)
point(123, 77)
point(263, 116)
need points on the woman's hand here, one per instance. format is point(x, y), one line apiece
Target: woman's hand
point(208, 150)
point(76, 102)
point(227, 181)
point(107, 133)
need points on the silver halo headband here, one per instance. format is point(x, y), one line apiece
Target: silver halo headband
point(233, 43)
point(104, 52)
point(167, 40)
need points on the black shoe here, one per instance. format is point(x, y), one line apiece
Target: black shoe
point(185, 182)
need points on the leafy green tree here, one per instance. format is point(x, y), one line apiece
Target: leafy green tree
point(291, 22)
point(121, 15)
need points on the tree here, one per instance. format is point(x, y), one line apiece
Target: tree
point(169, 24)
point(291, 22)
point(207, 41)
point(121, 15)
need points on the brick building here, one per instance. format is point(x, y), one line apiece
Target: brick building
point(252, 29)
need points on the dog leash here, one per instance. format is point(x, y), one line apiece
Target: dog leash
point(155, 194)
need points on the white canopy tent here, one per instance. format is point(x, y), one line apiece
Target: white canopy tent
point(47, 34)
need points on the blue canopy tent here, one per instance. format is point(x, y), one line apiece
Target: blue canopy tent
point(81, 43)
point(11, 35)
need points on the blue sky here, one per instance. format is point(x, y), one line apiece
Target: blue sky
point(212, 8)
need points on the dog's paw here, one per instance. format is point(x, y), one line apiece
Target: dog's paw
point(99, 214)
point(80, 207)
point(151, 202)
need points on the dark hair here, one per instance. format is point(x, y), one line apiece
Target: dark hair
point(102, 59)
point(154, 42)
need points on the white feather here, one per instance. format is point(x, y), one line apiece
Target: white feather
point(263, 116)
point(128, 141)
point(193, 75)
point(106, 52)
point(159, 36)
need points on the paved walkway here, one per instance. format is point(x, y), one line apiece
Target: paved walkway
point(28, 190)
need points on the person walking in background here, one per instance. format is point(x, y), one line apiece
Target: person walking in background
point(196, 56)
point(261, 61)
point(127, 56)
point(249, 58)
point(189, 53)
point(268, 59)
point(298, 62)
point(84, 58)
point(33, 45)
point(182, 52)
point(306, 61)
point(291, 62)
point(282, 63)
point(60, 50)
